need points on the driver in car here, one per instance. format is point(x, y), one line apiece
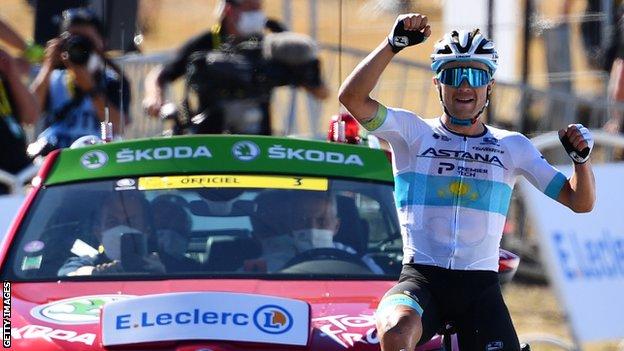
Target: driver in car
point(313, 224)
point(124, 213)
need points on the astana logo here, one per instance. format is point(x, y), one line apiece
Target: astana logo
point(245, 150)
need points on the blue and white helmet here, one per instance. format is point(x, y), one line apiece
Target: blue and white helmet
point(464, 46)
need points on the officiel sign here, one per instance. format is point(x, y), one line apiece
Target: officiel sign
point(206, 316)
point(584, 254)
point(233, 181)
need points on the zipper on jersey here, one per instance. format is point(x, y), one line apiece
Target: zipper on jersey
point(458, 195)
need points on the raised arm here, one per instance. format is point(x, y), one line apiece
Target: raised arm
point(25, 106)
point(155, 87)
point(355, 91)
point(11, 37)
point(579, 192)
point(409, 29)
point(41, 84)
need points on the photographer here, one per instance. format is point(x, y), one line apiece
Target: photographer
point(230, 92)
point(77, 82)
point(241, 25)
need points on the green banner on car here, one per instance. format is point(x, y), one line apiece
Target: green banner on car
point(206, 154)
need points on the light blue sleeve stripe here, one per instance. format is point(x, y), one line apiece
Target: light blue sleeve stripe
point(419, 189)
point(399, 299)
point(556, 184)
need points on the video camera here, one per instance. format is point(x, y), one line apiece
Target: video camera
point(223, 87)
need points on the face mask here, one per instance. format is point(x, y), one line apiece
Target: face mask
point(172, 242)
point(94, 63)
point(307, 239)
point(251, 22)
point(111, 240)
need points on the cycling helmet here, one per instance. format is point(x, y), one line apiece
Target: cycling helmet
point(464, 46)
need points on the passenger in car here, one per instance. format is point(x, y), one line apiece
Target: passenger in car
point(172, 224)
point(272, 227)
point(123, 217)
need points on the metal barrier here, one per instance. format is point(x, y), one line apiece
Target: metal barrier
point(405, 83)
point(15, 182)
point(136, 68)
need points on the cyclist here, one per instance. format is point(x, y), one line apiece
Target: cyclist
point(454, 176)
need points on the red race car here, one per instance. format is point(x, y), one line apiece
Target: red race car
point(203, 243)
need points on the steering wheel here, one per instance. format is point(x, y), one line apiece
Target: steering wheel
point(326, 253)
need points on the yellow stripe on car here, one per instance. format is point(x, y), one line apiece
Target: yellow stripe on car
point(233, 181)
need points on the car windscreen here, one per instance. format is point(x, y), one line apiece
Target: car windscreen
point(209, 225)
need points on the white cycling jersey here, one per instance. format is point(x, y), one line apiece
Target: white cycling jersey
point(453, 191)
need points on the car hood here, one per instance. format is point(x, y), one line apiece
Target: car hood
point(67, 315)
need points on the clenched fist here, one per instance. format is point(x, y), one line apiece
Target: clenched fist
point(409, 29)
point(577, 142)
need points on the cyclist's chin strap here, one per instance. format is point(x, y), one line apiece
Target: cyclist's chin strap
point(462, 121)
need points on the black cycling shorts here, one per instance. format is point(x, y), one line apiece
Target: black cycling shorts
point(471, 300)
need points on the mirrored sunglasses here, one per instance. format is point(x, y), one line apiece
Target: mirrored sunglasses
point(476, 77)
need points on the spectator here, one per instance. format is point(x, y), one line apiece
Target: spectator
point(17, 107)
point(239, 21)
point(616, 94)
point(616, 77)
point(607, 53)
point(77, 82)
point(121, 213)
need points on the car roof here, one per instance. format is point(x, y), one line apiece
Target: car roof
point(212, 154)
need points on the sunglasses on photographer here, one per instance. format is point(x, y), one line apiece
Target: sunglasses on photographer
point(476, 77)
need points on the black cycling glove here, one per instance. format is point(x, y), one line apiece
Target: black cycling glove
point(400, 38)
point(578, 156)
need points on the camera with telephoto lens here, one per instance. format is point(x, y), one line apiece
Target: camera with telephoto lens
point(78, 48)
